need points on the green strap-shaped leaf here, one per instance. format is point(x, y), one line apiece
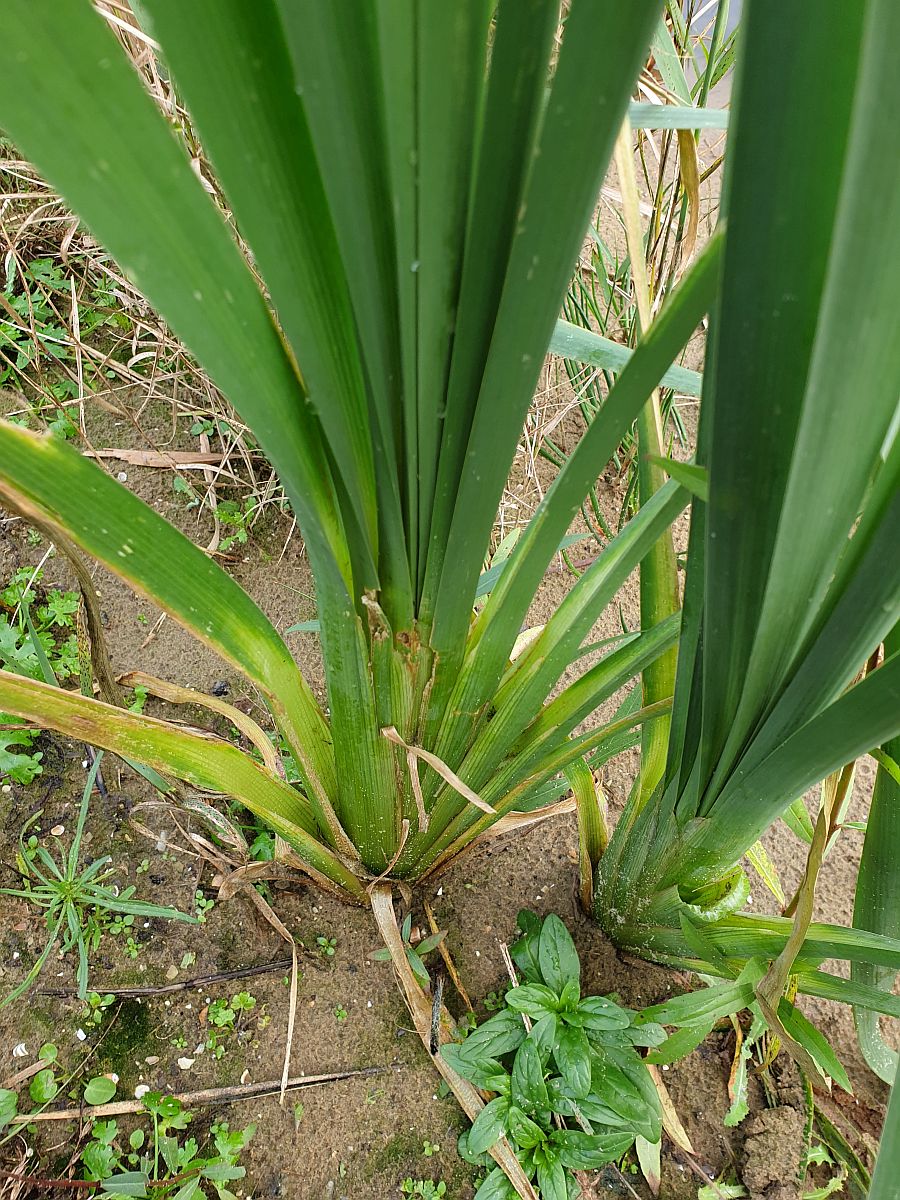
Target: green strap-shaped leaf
point(498, 626)
point(580, 122)
point(887, 1167)
point(867, 1001)
point(877, 905)
point(745, 936)
point(451, 45)
point(43, 475)
point(817, 515)
point(336, 53)
point(534, 673)
point(233, 69)
point(513, 106)
point(676, 116)
point(585, 346)
point(132, 183)
point(748, 804)
point(204, 761)
point(777, 246)
point(587, 693)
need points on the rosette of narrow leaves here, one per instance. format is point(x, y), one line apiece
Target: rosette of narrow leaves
point(793, 568)
point(413, 182)
point(571, 1058)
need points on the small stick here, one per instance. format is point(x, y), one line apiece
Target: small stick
point(448, 961)
point(511, 971)
point(282, 964)
point(438, 994)
point(220, 1095)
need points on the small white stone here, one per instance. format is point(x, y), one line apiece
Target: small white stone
point(368, 1004)
point(151, 1060)
point(80, 1034)
point(246, 1075)
point(122, 476)
point(58, 830)
point(15, 954)
point(113, 1076)
point(185, 1063)
point(84, 762)
point(19, 1050)
point(141, 1090)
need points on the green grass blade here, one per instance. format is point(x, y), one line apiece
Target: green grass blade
point(593, 832)
point(743, 937)
point(867, 1001)
point(396, 47)
point(37, 645)
point(668, 60)
point(659, 591)
point(581, 698)
point(536, 671)
point(451, 54)
point(861, 615)
point(75, 848)
point(817, 516)
point(498, 625)
point(201, 760)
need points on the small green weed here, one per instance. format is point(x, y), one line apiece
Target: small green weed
point(33, 623)
point(327, 945)
point(132, 948)
point(78, 904)
point(164, 1162)
point(552, 1057)
point(416, 947)
point(426, 1188)
point(95, 1008)
point(203, 905)
point(34, 340)
point(226, 1016)
point(238, 518)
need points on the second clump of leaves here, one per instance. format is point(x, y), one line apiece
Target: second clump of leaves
point(571, 1090)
